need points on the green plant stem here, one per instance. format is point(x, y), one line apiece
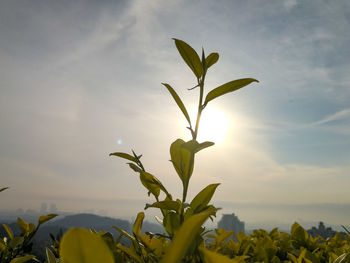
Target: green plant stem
point(200, 106)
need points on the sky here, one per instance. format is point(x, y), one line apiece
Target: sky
point(82, 79)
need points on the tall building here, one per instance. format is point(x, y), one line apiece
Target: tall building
point(231, 222)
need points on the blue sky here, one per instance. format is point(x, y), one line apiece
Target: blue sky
point(78, 77)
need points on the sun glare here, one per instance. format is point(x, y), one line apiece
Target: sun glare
point(213, 125)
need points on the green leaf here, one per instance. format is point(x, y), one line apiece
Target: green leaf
point(152, 184)
point(193, 146)
point(226, 88)
point(131, 253)
point(135, 167)
point(213, 257)
point(26, 228)
point(166, 205)
point(185, 236)
point(203, 198)
point(15, 242)
point(8, 230)
point(190, 56)
point(178, 102)
point(123, 232)
point(22, 259)
point(182, 160)
point(171, 222)
point(46, 218)
point(211, 59)
point(50, 256)
point(3, 189)
point(125, 156)
point(138, 223)
point(341, 258)
point(80, 245)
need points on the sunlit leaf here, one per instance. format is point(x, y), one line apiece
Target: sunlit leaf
point(50, 256)
point(211, 59)
point(203, 198)
point(190, 56)
point(136, 229)
point(151, 183)
point(193, 146)
point(80, 245)
point(167, 205)
point(22, 259)
point(178, 102)
point(125, 156)
point(46, 218)
point(8, 230)
point(182, 160)
point(184, 237)
point(155, 244)
point(228, 87)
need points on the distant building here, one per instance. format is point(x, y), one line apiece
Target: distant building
point(53, 208)
point(323, 231)
point(43, 208)
point(231, 222)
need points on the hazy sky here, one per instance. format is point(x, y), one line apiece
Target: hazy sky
point(81, 79)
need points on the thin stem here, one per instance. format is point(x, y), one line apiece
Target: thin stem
point(200, 106)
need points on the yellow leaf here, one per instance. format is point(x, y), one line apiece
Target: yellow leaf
point(80, 245)
point(185, 236)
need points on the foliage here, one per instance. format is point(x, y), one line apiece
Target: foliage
point(16, 249)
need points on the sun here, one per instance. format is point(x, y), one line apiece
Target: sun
point(213, 125)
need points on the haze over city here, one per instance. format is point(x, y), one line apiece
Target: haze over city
point(82, 79)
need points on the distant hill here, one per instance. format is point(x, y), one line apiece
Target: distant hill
point(91, 221)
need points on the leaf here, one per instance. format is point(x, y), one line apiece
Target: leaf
point(3, 189)
point(135, 167)
point(193, 146)
point(46, 218)
point(8, 230)
point(341, 258)
point(167, 205)
point(178, 102)
point(22, 259)
point(151, 183)
point(152, 243)
point(138, 223)
point(80, 245)
point(123, 232)
point(185, 236)
point(203, 198)
point(125, 156)
point(50, 256)
point(190, 56)
point(131, 253)
point(15, 242)
point(182, 160)
point(171, 222)
point(211, 59)
point(213, 257)
point(26, 228)
point(226, 88)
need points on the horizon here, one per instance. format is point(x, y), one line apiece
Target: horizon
point(80, 80)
